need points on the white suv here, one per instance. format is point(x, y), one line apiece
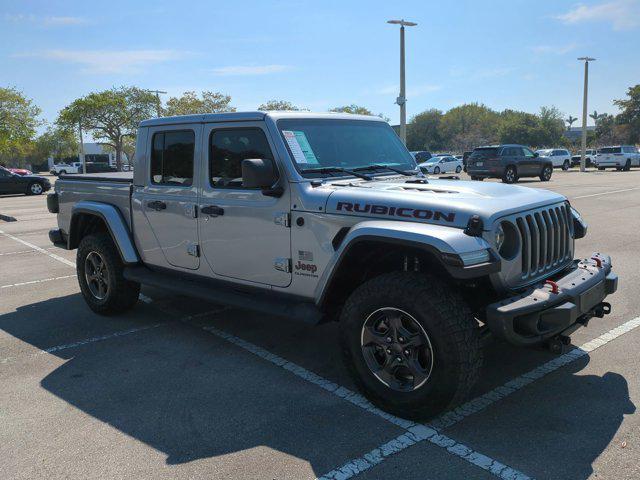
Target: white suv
point(622, 157)
point(560, 157)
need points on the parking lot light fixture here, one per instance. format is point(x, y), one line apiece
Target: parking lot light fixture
point(402, 99)
point(583, 145)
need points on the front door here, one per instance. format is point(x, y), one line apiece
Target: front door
point(244, 234)
point(168, 199)
point(531, 163)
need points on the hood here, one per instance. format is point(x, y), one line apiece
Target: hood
point(39, 177)
point(444, 202)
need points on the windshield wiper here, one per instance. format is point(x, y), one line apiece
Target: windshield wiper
point(406, 173)
point(337, 170)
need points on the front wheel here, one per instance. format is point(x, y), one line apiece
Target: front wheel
point(546, 173)
point(100, 275)
point(627, 166)
point(436, 170)
point(411, 344)
point(477, 179)
point(566, 165)
point(35, 188)
point(458, 169)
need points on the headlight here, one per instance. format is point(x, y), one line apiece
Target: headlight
point(499, 240)
point(579, 225)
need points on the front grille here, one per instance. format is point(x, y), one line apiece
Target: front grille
point(546, 239)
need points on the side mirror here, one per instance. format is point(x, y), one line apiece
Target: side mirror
point(260, 173)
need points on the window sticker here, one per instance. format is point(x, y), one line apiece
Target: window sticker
point(300, 147)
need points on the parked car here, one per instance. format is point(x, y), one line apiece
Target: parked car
point(421, 156)
point(560, 157)
point(281, 213)
point(509, 163)
point(66, 168)
point(621, 157)
point(20, 171)
point(590, 155)
point(441, 164)
point(28, 184)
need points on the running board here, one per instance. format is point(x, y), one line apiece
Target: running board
point(268, 302)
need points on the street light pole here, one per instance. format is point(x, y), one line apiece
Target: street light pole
point(158, 105)
point(583, 149)
point(82, 156)
point(402, 99)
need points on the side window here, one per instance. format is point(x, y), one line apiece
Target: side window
point(527, 152)
point(172, 158)
point(4, 173)
point(227, 149)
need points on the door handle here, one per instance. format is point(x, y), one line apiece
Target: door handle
point(212, 210)
point(157, 205)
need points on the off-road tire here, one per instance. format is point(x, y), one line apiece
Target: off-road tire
point(545, 174)
point(510, 174)
point(122, 294)
point(450, 326)
point(33, 190)
point(566, 165)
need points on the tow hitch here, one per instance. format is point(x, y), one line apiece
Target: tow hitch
point(559, 343)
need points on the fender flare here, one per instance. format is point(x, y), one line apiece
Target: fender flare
point(443, 242)
point(115, 223)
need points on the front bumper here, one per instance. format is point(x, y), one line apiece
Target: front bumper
point(538, 313)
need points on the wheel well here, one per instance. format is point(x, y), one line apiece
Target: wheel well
point(370, 258)
point(84, 224)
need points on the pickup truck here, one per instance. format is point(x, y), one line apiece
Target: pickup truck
point(65, 168)
point(621, 157)
point(325, 217)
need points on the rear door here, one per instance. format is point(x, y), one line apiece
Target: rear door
point(169, 197)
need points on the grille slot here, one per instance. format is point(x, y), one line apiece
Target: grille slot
point(546, 240)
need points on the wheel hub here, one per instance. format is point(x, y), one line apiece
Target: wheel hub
point(397, 349)
point(96, 275)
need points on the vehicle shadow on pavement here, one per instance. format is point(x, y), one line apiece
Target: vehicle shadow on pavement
point(191, 395)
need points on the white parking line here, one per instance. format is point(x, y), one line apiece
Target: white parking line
point(86, 341)
point(36, 281)
point(39, 249)
point(21, 251)
point(415, 432)
point(606, 193)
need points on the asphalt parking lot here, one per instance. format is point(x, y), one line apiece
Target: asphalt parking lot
point(180, 388)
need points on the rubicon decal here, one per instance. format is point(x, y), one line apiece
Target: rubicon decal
point(404, 212)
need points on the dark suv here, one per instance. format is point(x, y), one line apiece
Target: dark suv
point(507, 162)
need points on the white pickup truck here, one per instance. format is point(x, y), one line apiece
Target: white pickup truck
point(622, 157)
point(64, 168)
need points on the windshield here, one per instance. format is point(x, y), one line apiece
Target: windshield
point(346, 144)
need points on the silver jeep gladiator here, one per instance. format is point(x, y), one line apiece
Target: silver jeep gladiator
point(325, 217)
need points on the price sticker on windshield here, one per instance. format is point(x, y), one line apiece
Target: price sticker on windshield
point(300, 147)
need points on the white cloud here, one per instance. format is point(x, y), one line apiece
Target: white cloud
point(250, 69)
point(110, 61)
point(554, 49)
point(48, 21)
point(622, 14)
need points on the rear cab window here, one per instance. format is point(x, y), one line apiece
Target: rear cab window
point(172, 158)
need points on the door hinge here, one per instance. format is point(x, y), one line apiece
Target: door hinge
point(282, 218)
point(282, 264)
point(193, 249)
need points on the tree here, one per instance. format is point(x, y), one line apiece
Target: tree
point(423, 131)
point(595, 116)
point(57, 142)
point(18, 123)
point(278, 105)
point(469, 125)
point(630, 113)
point(110, 116)
point(353, 108)
point(571, 120)
point(552, 126)
point(190, 103)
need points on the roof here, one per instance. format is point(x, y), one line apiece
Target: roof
point(250, 116)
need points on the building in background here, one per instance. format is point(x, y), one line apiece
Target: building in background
point(93, 152)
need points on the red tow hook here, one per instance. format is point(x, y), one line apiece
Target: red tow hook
point(598, 261)
point(554, 286)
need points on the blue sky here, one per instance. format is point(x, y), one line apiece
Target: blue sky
point(518, 54)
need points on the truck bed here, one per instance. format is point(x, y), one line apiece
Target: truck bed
point(119, 177)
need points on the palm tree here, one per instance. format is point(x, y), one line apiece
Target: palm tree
point(571, 120)
point(595, 117)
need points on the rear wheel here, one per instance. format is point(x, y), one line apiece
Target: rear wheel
point(411, 344)
point(510, 174)
point(546, 173)
point(62, 172)
point(99, 268)
point(566, 165)
point(627, 166)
